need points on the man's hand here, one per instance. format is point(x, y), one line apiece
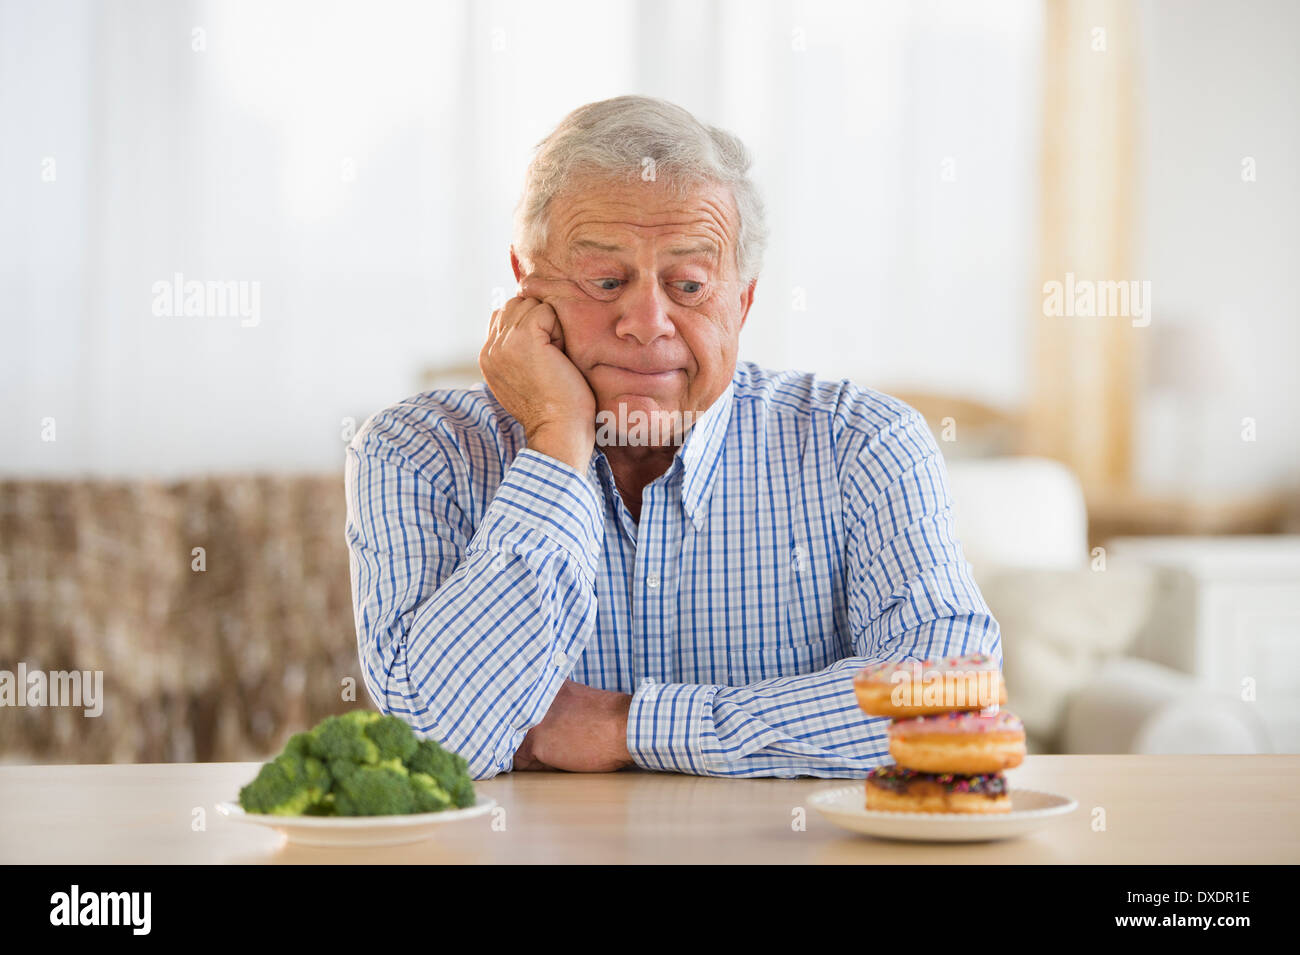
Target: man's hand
point(584, 731)
point(524, 363)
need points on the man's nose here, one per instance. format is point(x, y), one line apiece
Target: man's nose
point(645, 314)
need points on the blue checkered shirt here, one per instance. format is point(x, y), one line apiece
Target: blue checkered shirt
point(803, 531)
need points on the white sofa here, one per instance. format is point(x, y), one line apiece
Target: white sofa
point(1071, 624)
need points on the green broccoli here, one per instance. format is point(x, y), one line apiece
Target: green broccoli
point(360, 764)
point(288, 785)
point(429, 796)
point(449, 770)
point(341, 769)
point(323, 808)
point(299, 745)
point(394, 737)
point(344, 737)
point(382, 790)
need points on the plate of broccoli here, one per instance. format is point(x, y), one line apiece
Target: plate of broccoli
point(361, 778)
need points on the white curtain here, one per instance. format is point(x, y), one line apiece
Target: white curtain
point(360, 161)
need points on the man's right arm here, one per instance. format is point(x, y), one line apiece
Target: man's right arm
point(467, 631)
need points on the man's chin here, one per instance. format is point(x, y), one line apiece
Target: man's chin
point(625, 402)
point(640, 421)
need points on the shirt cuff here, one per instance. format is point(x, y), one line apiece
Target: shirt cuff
point(665, 725)
point(540, 500)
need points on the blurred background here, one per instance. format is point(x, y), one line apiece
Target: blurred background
point(1067, 232)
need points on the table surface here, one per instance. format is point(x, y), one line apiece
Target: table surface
point(1157, 809)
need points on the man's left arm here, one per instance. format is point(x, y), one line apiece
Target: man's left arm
point(910, 596)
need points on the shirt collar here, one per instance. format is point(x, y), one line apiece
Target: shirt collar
point(701, 455)
point(698, 459)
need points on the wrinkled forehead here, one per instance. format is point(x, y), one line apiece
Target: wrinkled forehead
point(635, 220)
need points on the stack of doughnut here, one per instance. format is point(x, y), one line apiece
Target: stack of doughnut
point(949, 738)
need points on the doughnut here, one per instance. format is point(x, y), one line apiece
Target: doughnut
point(925, 687)
point(895, 789)
point(967, 743)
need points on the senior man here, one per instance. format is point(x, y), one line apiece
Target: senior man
point(541, 584)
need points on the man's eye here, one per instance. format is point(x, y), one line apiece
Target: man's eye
point(686, 286)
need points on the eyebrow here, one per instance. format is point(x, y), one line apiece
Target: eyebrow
point(700, 248)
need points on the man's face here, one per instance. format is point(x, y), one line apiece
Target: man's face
point(652, 306)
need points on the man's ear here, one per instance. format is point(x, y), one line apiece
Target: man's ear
point(747, 300)
point(514, 264)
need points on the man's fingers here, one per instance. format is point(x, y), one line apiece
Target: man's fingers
point(557, 333)
point(531, 312)
point(534, 292)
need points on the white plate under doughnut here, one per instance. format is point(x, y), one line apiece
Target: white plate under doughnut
point(1031, 809)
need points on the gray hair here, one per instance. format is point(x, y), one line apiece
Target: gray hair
point(622, 137)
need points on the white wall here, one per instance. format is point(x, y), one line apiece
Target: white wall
point(230, 162)
point(1222, 82)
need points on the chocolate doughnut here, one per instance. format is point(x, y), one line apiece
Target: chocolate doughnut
point(896, 789)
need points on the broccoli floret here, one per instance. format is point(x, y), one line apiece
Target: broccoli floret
point(299, 745)
point(360, 764)
point(429, 796)
point(448, 769)
point(437, 762)
point(382, 790)
point(394, 737)
point(344, 737)
point(323, 808)
point(462, 792)
point(287, 786)
point(341, 769)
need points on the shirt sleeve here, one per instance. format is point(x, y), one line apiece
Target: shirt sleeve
point(466, 630)
point(910, 595)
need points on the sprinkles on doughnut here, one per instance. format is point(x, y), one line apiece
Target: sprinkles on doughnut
point(958, 742)
point(896, 789)
point(927, 687)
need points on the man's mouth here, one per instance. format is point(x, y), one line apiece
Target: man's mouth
point(650, 374)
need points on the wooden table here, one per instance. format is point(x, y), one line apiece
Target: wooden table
point(1158, 809)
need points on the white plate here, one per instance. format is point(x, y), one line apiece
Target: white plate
point(1030, 809)
point(357, 830)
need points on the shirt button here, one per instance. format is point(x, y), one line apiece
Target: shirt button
point(652, 581)
point(500, 562)
point(797, 555)
point(559, 658)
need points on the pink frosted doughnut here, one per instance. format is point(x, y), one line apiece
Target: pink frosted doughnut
point(966, 743)
point(958, 722)
point(900, 688)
